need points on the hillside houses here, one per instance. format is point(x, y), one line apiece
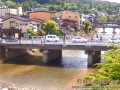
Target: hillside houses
point(35, 20)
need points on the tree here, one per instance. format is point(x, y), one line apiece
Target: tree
point(31, 32)
point(102, 19)
point(87, 26)
point(109, 70)
point(41, 32)
point(51, 27)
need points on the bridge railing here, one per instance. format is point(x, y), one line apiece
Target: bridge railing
point(68, 41)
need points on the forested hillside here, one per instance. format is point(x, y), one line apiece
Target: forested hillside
point(82, 6)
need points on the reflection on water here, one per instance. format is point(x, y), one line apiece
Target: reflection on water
point(30, 72)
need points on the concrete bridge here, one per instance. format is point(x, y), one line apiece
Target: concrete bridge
point(107, 26)
point(53, 51)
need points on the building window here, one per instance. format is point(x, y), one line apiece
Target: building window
point(20, 23)
point(17, 24)
point(12, 23)
point(75, 17)
point(69, 16)
point(26, 24)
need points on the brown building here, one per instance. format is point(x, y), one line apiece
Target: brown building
point(42, 15)
point(69, 18)
point(10, 32)
point(16, 22)
point(15, 25)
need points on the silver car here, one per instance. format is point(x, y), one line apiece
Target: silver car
point(79, 40)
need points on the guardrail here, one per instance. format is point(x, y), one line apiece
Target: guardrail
point(68, 40)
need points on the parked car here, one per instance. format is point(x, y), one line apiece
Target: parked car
point(113, 40)
point(51, 38)
point(79, 40)
point(9, 39)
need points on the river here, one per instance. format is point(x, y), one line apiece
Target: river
point(29, 72)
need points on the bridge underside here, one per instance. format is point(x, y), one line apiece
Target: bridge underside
point(50, 52)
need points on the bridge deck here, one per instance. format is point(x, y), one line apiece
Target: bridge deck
point(92, 46)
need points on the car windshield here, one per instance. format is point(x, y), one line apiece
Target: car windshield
point(54, 37)
point(51, 36)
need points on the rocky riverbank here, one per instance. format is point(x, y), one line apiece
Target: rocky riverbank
point(5, 86)
point(83, 34)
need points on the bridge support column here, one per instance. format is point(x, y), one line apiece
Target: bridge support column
point(8, 54)
point(50, 55)
point(93, 57)
point(104, 30)
point(2, 54)
point(114, 30)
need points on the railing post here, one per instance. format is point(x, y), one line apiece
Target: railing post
point(19, 41)
point(64, 40)
point(32, 40)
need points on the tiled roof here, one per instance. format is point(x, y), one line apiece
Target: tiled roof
point(18, 18)
point(37, 20)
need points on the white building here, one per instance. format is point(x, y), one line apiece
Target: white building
point(15, 11)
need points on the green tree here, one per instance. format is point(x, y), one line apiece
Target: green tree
point(109, 70)
point(31, 32)
point(51, 27)
point(102, 19)
point(41, 32)
point(87, 26)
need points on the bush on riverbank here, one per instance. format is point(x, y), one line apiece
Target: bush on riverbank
point(108, 72)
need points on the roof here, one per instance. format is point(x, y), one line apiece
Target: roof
point(37, 20)
point(18, 18)
point(43, 11)
point(71, 12)
point(69, 20)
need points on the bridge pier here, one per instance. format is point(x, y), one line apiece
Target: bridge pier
point(2, 54)
point(104, 30)
point(50, 55)
point(114, 30)
point(93, 57)
point(7, 54)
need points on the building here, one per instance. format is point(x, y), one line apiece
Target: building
point(39, 9)
point(16, 22)
point(19, 23)
point(15, 11)
point(42, 15)
point(69, 19)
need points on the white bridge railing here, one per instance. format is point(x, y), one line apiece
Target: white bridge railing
point(68, 41)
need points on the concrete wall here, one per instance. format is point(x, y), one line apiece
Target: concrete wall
point(93, 57)
point(50, 55)
point(14, 53)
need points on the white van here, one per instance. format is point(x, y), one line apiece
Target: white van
point(51, 38)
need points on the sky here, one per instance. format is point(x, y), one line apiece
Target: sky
point(114, 1)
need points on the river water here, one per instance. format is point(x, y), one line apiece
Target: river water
point(29, 72)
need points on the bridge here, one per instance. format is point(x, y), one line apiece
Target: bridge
point(107, 26)
point(52, 50)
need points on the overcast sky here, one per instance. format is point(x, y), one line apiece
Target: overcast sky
point(114, 1)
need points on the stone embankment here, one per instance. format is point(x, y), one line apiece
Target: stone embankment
point(83, 34)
